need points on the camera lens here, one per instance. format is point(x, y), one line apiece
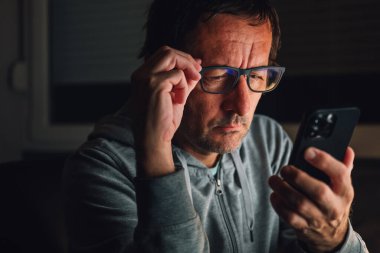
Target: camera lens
point(330, 118)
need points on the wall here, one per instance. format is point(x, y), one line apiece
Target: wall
point(13, 105)
point(15, 109)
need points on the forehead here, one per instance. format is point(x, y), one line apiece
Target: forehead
point(231, 40)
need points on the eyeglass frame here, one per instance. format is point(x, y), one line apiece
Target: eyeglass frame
point(241, 72)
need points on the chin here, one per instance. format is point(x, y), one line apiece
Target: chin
point(225, 144)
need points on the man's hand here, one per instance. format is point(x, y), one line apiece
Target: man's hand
point(162, 85)
point(318, 212)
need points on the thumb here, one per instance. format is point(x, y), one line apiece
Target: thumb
point(349, 158)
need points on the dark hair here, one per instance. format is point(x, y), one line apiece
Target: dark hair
point(169, 21)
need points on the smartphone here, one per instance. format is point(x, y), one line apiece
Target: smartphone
point(326, 129)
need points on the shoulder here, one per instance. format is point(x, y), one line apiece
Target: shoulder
point(267, 129)
point(262, 121)
point(108, 151)
point(267, 142)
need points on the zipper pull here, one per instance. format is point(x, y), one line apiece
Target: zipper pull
point(218, 188)
point(251, 232)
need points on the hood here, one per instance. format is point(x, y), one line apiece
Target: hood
point(115, 127)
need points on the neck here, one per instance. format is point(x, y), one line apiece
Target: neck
point(209, 159)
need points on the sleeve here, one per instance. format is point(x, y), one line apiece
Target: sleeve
point(353, 243)
point(288, 241)
point(108, 211)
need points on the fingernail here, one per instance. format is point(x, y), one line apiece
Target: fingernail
point(310, 154)
point(283, 170)
point(199, 61)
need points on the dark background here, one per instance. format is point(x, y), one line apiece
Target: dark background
point(330, 49)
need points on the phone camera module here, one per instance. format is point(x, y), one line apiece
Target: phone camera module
point(321, 125)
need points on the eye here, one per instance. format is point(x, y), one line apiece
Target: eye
point(215, 78)
point(256, 76)
point(258, 80)
point(215, 75)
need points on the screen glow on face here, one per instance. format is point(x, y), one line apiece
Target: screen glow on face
point(222, 79)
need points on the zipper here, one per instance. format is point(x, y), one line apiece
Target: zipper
point(247, 194)
point(219, 193)
point(218, 188)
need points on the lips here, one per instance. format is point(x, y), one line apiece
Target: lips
point(232, 124)
point(229, 128)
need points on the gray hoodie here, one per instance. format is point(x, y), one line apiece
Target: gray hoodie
point(109, 210)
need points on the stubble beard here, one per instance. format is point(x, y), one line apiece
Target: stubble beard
point(204, 142)
point(228, 144)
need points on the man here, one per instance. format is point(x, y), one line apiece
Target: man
point(184, 166)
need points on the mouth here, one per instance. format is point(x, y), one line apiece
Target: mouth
point(229, 128)
point(230, 125)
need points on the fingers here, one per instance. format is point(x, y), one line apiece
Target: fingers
point(299, 211)
point(288, 215)
point(338, 172)
point(318, 192)
point(317, 211)
point(349, 158)
point(313, 222)
point(166, 59)
point(323, 161)
point(173, 82)
point(162, 71)
point(331, 200)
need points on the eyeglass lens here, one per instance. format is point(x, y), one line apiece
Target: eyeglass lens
point(221, 80)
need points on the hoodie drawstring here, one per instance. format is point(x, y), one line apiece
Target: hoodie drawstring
point(246, 191)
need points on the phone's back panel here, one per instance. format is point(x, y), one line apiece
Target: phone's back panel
point(326, 129)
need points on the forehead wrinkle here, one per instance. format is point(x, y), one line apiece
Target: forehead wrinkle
point(219, 48)
point(243, 45)
point(243, 50)
point(251, 57)
point(243, 54)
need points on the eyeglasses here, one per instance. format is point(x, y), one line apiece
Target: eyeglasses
point(223, 79)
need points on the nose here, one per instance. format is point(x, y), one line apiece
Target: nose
point(239, 99)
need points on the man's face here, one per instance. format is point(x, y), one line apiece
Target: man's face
point(217, 123)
